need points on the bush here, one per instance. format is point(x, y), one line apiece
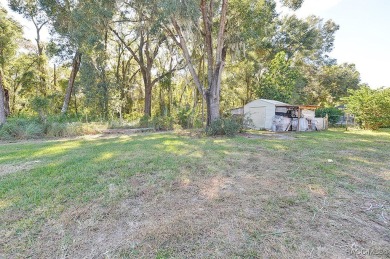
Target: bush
point(22, 128)
point(162, 123)
point(332, 112)
point(184, 117)
point(29, 128)
point(144, 121)
point(227, 126)
point(40, 105)
point(371, 108)
point(55, 129)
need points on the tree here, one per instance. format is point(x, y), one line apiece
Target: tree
point(32, 10)
point(328, 84)
point(279, 82)
point(144, 44)
point(213, 17)
point(10, 34)
point(306, 40)
point(83, 27)
point(23, 82)
point(371, 108)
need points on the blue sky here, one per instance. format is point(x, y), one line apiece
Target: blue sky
point(363, 38)
point(364, 35)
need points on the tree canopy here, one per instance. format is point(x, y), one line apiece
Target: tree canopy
point(124, 59)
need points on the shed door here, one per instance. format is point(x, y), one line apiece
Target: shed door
point(258, 116)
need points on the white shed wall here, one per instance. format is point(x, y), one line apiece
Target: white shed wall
point(261, 112)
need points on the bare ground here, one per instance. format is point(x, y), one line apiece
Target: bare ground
point(17, 167)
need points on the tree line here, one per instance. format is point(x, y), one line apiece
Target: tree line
point(191, 60)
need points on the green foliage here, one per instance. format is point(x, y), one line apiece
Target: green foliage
point(332, 112)
point(229, 126)
point(10, 34)
point(40, 105)
point(331, 83)
point(31, 128)
point(293, 4)
point(157, 122)
point(144, 121)
point(280, 80)
point(22, 128)
point(162, 122)
point(184, 116)
point(371, 108)
point(267, 54)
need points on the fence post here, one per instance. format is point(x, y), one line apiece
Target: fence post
point(326, 121)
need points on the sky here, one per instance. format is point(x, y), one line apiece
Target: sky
point(363, 37)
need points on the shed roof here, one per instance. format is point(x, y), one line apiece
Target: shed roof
point(277, 103)
point(302, 107)
point(273, 102)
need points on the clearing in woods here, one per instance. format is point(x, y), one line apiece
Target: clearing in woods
point(319, 194)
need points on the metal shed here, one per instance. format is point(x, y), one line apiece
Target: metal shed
point(262, 111)
point(278, 116)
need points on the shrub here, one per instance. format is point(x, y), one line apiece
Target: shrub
point(184, 116)
point(162, 123)
point(144, 121)
point(40, 105)
point(22, 128)
point(370, 107)
point(332, 112)
point(56, 129)
point(28, 128)
point(215, 128)
point(227, 126)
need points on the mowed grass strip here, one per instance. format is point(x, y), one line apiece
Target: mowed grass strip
point(253, 195)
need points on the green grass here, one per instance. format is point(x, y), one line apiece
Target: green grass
point(50, 178)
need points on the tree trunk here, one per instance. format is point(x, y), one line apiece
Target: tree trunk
point(73, 74)
point(2, 101)
point(6, 103)
point(55, 76)
point(214, 65)
point(148, 100)
point(213, 95)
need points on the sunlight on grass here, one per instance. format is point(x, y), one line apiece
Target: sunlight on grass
point(220, 141)
point(361, 160)
point(385, 176)
point(371, 133)
point(58, 149)
point(104, 156)
point(280, 147)
point(177, 147)
point(5, 203)
point(317, 189)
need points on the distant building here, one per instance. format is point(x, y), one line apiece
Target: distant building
point(278, 116)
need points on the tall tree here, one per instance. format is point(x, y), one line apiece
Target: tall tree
point(145, 42)
point(10, 34)
point(279, 82)
point(31, 9)
point(213, 16)
point(83, 26)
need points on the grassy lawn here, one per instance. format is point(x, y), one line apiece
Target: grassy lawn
point(300, 195)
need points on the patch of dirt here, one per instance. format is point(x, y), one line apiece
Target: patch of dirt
point(19, 167)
